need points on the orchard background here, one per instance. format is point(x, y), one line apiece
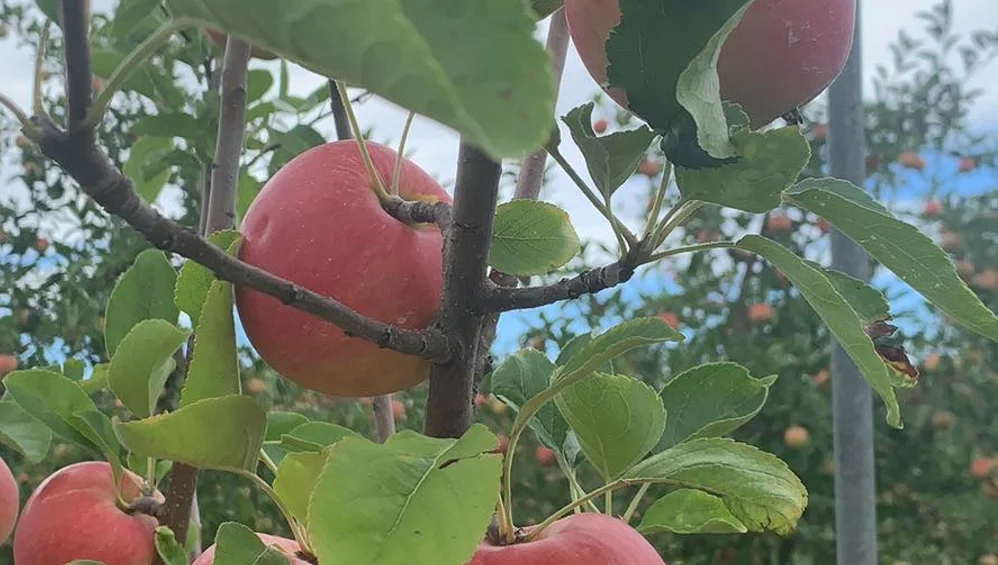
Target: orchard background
point(933, 154)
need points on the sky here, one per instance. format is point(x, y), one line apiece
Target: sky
point(434, 147)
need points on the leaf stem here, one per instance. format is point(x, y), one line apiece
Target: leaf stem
point(376, 184)
point(673, 219)
point(690, 249)
point(397, 173)
point(36, 95)
point(151, 471)
point(128, 65)
point(268, 462)
point(296, 528)
point(633, 507)
point(560, 513)
point(663, 188)
point(29, 128)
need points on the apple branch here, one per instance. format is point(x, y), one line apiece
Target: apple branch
point(498, 298)
point(76, 29)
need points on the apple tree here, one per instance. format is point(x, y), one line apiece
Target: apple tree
point(355, 274)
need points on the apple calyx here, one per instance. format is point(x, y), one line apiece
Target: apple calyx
point(144, 504)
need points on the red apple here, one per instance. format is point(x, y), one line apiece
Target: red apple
point(318, 223)
point(778, 223)
point(966, 164)
point(256, 385)
point(911, 160)
point(932, 208)
point(398, 409)
point(796, 436)
point(965, 268)
point(761, 312)
point(670, 318)
point(73, 515)
point(8, 363)
point(600, 126)
point(480, 399)
point(288, 547)
point(980, 467)
point(220, 38)
point(821, 379)
point(780, 56)
point(545, 456)
point(10, 501)
point(931, 362)
point(649, 168)
point(986, 279)
point(819, 132)
point(503, 444)
point(580, 539)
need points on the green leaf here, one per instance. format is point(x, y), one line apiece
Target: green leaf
point(51, 10)
point(246, 192)
point(143, 362)
point(869, 303)
point(613, 158)
point(22, 432)
point(689, 511)
point(768, 163)
point(901, 247)
point(170, 124)
point(616, 341)
point(258, 82)
point(844, 323)
point(522, 376)
point(314, 436)
point(617, 419)
point(54, 400)
point(194, 280)
point(413, 499)
point(214, 368)
point(105, 61)
point(280, 423)
point(531, 237)
point(479, 71)
point(681, 77)
point(235, 544)
point(131, 14)
point(217, 433)
point(756, 487)
point(145, 153)
point(544, 8)
point(97, 428)
point(143, 292)
point(296, 478)
point(168, 548)
point(73, 368)
point(711, 400)
point(291, 144)
point(97, 380)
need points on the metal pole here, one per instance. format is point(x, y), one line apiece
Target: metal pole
point(855, 491)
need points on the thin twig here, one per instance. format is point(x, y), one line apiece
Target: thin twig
point(75, 32)
point(496, 298)
point(384, 417)
point(229, 141)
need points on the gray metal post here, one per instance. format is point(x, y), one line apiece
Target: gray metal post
point(855, 496)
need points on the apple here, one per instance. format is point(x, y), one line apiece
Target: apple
point(221, 38)
point(319, 224)
point(980, 467)
point(986, 279)
point(931, 362)
point(503, 443)
point(8, 363)
point(22, 142)
point(600, 126)
point(949, 241)
point(819, 132)
point(398, 409)
point(761, 312)
point(823, 225)
point(911, 160)
point(480, 399)
point(96, 84)
point(670, 318)
point(256, 385)
point(73, 514)
point(41, 244)
point(778, 223)
point(580, 539)
point(821, 378)
point(966, 164)
point(649, 168)
point(288, 547)
point(932, 208)
point(796, 436)
point(965, 268)
point(779, 57)
point(10, 501)
point(544, 455)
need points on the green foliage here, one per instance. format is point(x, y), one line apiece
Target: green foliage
point(531, 238)
point(238, 545)
point(611, 159)
point(689, 511)
point(144, 292)
point(142, 363)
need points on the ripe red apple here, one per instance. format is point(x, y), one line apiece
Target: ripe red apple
point(967, 164)
point(288, 547)
point(545, 456)
point(819, 132)
point(580, 539)
point(220, 38)
point(600, 126)
point(480, 399)
point(778, 223)
point(761, 312)
point(821, 378)
point(932, 208)
point(398, 409)
point(980, 467)
point(911, 160)
point(986, 279)
point(318, 223)
point(73, 514)
point(670, 318)
point(256, 385)
point(8, 363)
point(649, 168)
point(796, 436)
point(10, 501)
point(780, 56)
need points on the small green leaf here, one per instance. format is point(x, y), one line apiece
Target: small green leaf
point(314, 436)
point(844, 323)
point(413, 499)
point(96, 426)
point(217, 433)
point(681, 77)
point(689, 511)
point(522, 376)
point(258, 82)
point(616, 341)
point(143, 362)
point(246, 192)
point(901, 247)
point(479, 71)
point(105, 61)
point(292, 143)
point(214, 368)
point(194, 280)
point(51, 10)
point(296, 478)
point(145, 153)
point(73, 368)
point(144, 292)
point(54, 400)
point(23, 432)
point(168, 548)
point(617, 419)
point(280, 423)
point(613, 158)
point(756, 487)
point(711, 400)
point(531, 237)
point(235, 544)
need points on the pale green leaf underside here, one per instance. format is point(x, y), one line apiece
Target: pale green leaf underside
point(142, 363)
point(22, 431)
point(531, 237)
point(690, 511)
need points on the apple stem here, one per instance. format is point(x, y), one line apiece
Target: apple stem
point(663, 189)
point(564, 510)
point(633, 507)
point(376, 184)
point(397, 173)
point(129, 64)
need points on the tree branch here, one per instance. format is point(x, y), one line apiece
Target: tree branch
point(498, 298)
point(449, 407)
point(229, 142)
point(340, 118)
point(79, 80)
